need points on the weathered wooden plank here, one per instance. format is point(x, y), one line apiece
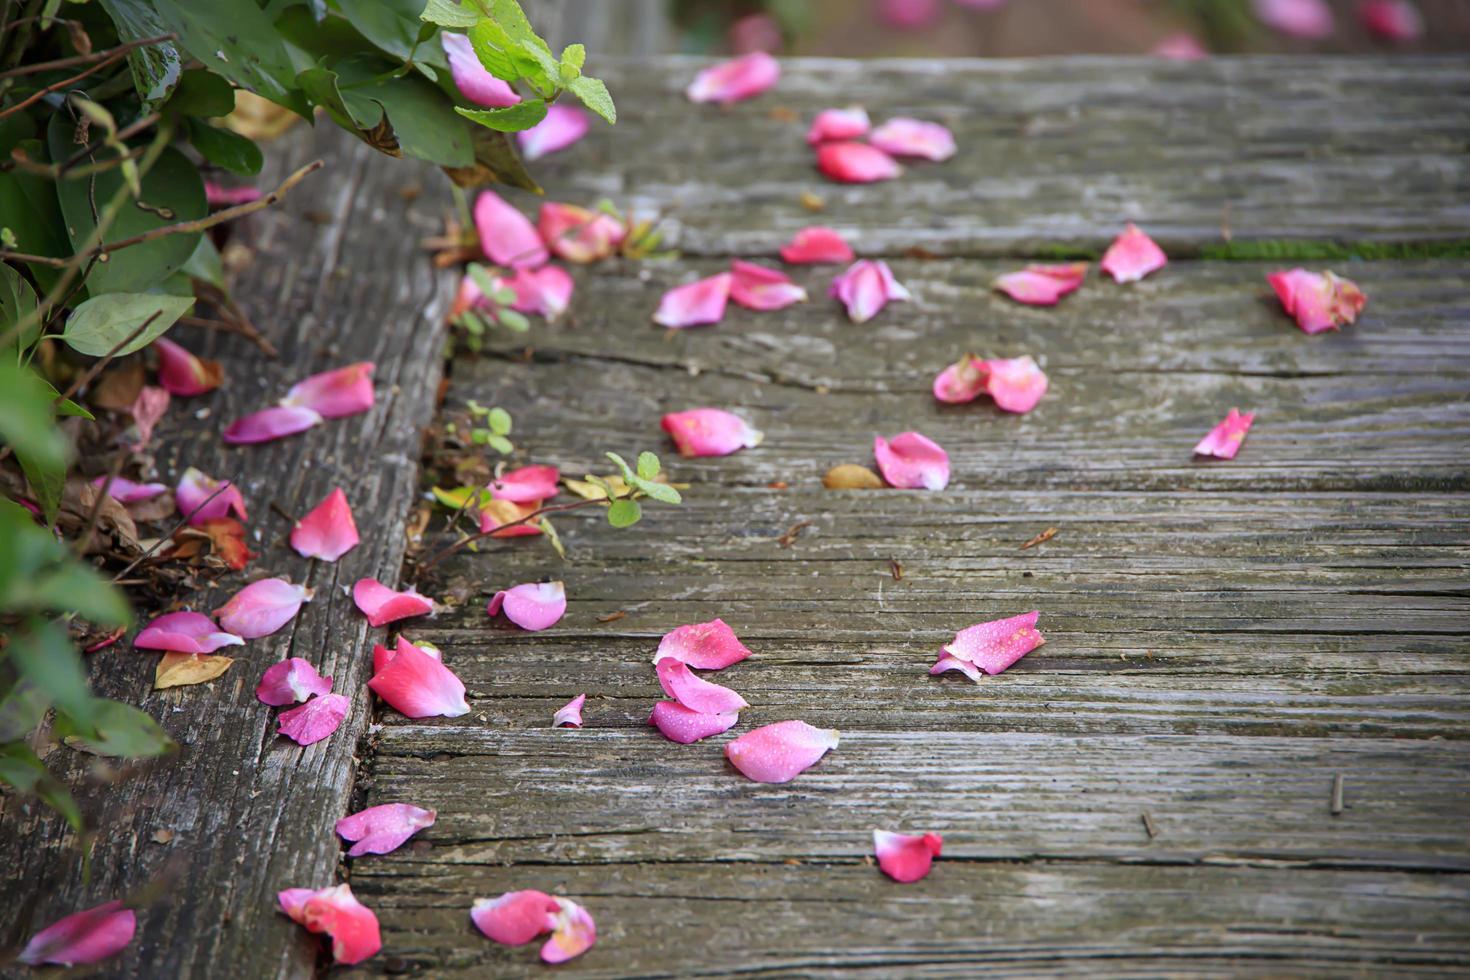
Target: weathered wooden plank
point(251, 813)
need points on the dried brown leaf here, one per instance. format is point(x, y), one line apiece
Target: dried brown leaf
point(182, 669)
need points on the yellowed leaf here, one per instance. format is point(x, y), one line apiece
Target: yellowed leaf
point(850, 476)
point(182, 669)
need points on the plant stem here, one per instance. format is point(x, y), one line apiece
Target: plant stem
point(470, 538)
point(109, 57)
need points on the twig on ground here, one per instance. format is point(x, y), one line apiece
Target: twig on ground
point(225, 484)
point(1041, 538)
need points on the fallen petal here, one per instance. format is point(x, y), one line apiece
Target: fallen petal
point(1181, 47)
point(515, 918)
point(533, 606)
point(185, 632)
point(816, 244)
point(125, 491)
point(227, 541)
point(382, 656)
point(995, 645)
point(856, 163)
point(381, 829)
point(910, 461)
point(471, 78)
point(382, 605)
point(1310, 19)
point(909, 15)
point(1016, 383)
point(82, 937)
point(262, 607)
point(685, 725)
point(1318, 301)
point(562, 127)
point(147, 409)
point(906, 857)
point(710, 432)
point(181, 373)
point(417, 685)
point(507, 237)
point(1042, 285)
point(194, 498)
point(757, 287)
point(496, 513)
point(902, 137)
point(527, 485)
point(865, 288)
point(569, 714)
point(1132, 256)
point(779, 753)
point(579, 235)
point(1392, 20)
point(707, 646)
point(313, 721)
point(696, 693)
point(839, 124)
point(963, 381)
point(271, 423)
point(947, 663)
point(327, 531)
point(335, 394)
point(336, 912)
point(1223, 441)
point(291, 681)
point(572, 933)
point(695, 303)
point(546, 291)
point(735, 80)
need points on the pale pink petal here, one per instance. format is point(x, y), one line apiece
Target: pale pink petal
point(382, 656)
point(515, 918)
point(271, 423)
point(910, 461)
point(779, 753)
point(471, 78)
point(1132, 256)
point(696, 693)
point(381, 829)
point(218, 196)
point(546, 291)
point(1182, 46)
point(1016, 383)
point(82, 937)
point(1223, 441)
point(579, 235)
point(757, 287)
point(865, 288)
point(906, 857)
point(947, 663)
point(327, 531)
point(505, 512)
point(569, 714)
point(707, 646)
point(183, 374)
point(194, 490)
point(685, 725)
point(185, 632)
point(1311, 19)
point(507, 237)
point(335, 394)
point(262, 607)
point(995, 645)
point(313, 721)
point(147, 409)
point(572, 933)
point(856, 163)
point(839, 124)
point(903, 137)
point(1393, 20)
point(732, 81)
point(529, 484)
point(533, 606)
point(710, 432)
point(291, 681)
point(816, 245)
point(125, 491)
point(419, 686)
point(1318, 301)
point(562, 127)
point(336, 912)
point(963, 381)
point(382, 605)
point(1042, 285)
point(909, 15)
point(695, 303)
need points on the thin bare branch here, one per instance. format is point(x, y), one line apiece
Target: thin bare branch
point(107, 58)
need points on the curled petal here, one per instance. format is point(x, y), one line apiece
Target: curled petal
point(313, 721)
point(569, 715)
point(1181, 47)
point(527, 485)
point(563, 126)
point(779, 753)
point(685, 725)
point(1223, 441)
point(856, 163)
point(335, 394)
point(695, 303)
point(910, 461)
point(125, 491)
point(515, 918)
point(262, 607)
point(290, 682)
point(903, 137)
point(381, 829)
point(1310, 19)
point(218, 196)
point(181, 373)
point(533, 606)
point(495, 513)
point(1016, 383)
point(839, 124)
point(1132, 256)
point(963, 381)
point(336, 912)
point(995, 645)
point(695, 693)
point(579, 235)
point(906, 857)
point(185, 632)
point(816, 245)
point(865, 288)
point(756, 287)
point(418, 686)
point(572, 932)
point(1318, 301)
point(947, 663)
point(327, 531)
point(707, 646)
point(382, 656)
point(198, 500)
point(732, 81)
point(471, 78)
point(710, 432)
point(507, 237)
point(1042, 285)
point(1392, 20)
point(82, 937)
point(271, 423)
point(382, 605)
point(546, 291)
point(147, 409)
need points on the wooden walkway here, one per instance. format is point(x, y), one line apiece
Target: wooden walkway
point(1224, 639)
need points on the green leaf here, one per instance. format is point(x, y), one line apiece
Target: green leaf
point(500, 444)
point(511, 119)
point(22, 708)
point(648, 465)
point(225, 148)
point(621, 464)
point(595, 96)
point(47, 480)
point(65, 406)
point(73, 587)
point(447, 13)
point(509, 15)
point(156, 67)
point(539, 53)
point(206, 263)
point(552, 536)
point(460, 497)
point(238, 40)
point(45, 657)
point(512, 320)
point(499, 421)
point(102, 322)
point(421, 118)
point(122, 731)
point(27, 422)
point(202, 93)
point(28, 207)
point(391, 25)
point(17, 302)
point(496, 50)
point(19, 767)
point(661, 492)
point(624, 513)
point(573, 57)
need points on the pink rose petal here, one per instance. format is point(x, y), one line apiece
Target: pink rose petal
point(1016, 383)
point(1223, 441)
point(579, 235)
point(757, 287)
point(1132, 256)
point(865, 288)
point(194, 490)
point(909, 15)
point(903, 137)
point(218, 196)
point(779, 753)
point(185, 632)
point(271, 423)
point(181, 373)
point(735, 80)
point(262, 607)
point(327, 531)
point(710, 432)
point(839, 124)
point(382, 829)
point(417, 685)
point(569, 714)
point(336, 912)
point(563, 126)
point(906, 857)
point(471, 78)
point(1310, 19)
point(695, 303)
point(910, 461)
point(685, 725)
point(816, 245)
point(533, 606)
point(1318, 301)
point(147, 410)
point(125, 491)
point(335, 394)
point(515, 918)
point(961, 382)
point(995, 645)
point(382, 656)
point(572, 932)
point(707, 646)
point(696, 693)
point(546, 291)
point(382, 605)
point(1392, 20)
point(947, 663)
point(1181, 47)
point(856, 163)
point(313, 721)
point(1042, 285)
point(291, 681)
point(82, 937)
point(507, 237)
point(527, 485)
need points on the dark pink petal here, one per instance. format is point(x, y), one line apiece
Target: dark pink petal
point(757, 287)
point(1311, 19)
point(498, 512)
point(271, 423)
point(962, 381)
point(903, 137)
point(291, 681)
point(515, 918)
point(1182, 46)
point(1132, 256)
point(147, 409)
point(732, 81)
point(217, 196)
point(336, 912)
point(710, 432)
point(856, 163)
point(839, 124)
point(685, 725)
point(313, 721)
point(779, 753)
point(816, 245)
point(906, 857)
point(695, 693)
point(533, 606)
point(195, 488)
point(185, 632)
point(865, 288)
point(471, 78)
point(995, 645)
point(546, 291)
point(579, 235)
point(335, 394)
point(381, 829)
point(695, 303)
point(910, 461)
point(707, 646)
point(82, 937)
point(327, 531)
point(1393, 20)
point(1042, 285)
point(572, 933)
point(262, 607)
point(183, 374)
point(125, 491)
point(569, 714)
point(507, 237)
point(527, 485)
point(562, 127)
point(1016, 383)
point(382, 656)
point(418, 686)
point(947, 663)
point(1318, 301)
point(1223, 441)
point(382, 605)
